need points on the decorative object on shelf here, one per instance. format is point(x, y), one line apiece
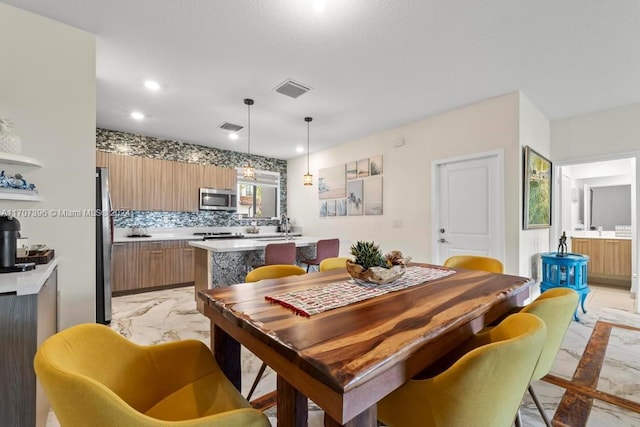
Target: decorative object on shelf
point(308, 178)
point(562, 247)
point(9, 142)
point(537, 190)
point(370, 266)
point(249, 172)
point(17, 182)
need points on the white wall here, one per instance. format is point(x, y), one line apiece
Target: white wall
point(534, 132)
point(487, 125)
point(608, 134)
point(48, 88)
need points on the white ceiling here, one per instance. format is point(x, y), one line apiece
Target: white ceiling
point(373, 64)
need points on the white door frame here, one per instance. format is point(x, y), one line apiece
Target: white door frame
point(635, 208)
point(435, 198)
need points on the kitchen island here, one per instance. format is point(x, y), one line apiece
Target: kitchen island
point(221, 263)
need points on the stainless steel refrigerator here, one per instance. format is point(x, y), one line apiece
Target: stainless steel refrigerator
point(104, 241)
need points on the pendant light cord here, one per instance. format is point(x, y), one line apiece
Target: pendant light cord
point(249, 131)
point(308, 120)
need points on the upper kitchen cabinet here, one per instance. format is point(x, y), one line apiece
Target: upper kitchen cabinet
point(125, 179)
point(158, 185)
point(217, 177)
point(146, 184)
point(189, 179)
point(17, 163)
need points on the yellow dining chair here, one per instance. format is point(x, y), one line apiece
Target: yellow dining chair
point(270, 272)
point(333, 263)
point(555, 307)
point(473, 262)
point(482, 388)
point(273, 272)
point(94, 376)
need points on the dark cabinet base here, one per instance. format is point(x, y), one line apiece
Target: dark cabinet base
point(25, 322)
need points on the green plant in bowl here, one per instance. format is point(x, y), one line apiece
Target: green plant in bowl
point(370, 266)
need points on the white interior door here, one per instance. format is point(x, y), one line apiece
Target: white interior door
point(470, 208)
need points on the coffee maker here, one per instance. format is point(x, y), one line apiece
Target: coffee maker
point(9, 233)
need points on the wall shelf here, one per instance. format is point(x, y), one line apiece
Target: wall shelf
point(14, 193)
point(18, 160)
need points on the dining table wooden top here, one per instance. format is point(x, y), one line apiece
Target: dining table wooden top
point(346, 359)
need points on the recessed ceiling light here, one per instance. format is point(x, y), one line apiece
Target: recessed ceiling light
point(318, 5)
point(299, 149)
point(137, 115)
point(151, 85)
point(233, 136)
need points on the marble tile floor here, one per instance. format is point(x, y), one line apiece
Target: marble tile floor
point(169, 315)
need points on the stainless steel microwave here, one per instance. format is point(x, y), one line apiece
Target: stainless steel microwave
point(212, 199)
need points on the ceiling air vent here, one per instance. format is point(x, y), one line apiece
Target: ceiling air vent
point(230, 126)
point(292, 88)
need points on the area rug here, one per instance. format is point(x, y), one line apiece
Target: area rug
point(596, 376)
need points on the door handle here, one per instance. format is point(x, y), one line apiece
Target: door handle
point(443, 240)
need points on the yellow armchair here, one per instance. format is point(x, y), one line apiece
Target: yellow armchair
point(555, 307)
point(473, 262)
point(274, 271)
point(482, 388)
point(333, 263)
point(94, 376)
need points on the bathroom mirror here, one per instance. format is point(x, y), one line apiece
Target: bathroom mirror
point(607, 206)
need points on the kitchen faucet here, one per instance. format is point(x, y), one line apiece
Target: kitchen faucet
point(286, 228)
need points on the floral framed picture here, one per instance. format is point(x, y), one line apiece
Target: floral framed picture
point(537, 190)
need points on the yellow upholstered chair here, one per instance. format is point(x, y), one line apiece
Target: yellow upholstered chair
point(95, 377)
point(333, 263)
point(473, 262)
point(326, 248)
point(555, 307)
point(273, 272)
point(263, 273)
point(482, 388)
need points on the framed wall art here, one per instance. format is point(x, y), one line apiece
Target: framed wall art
point(537, 190)
point(332, 182)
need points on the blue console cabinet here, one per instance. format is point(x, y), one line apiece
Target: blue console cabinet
point(568, 271)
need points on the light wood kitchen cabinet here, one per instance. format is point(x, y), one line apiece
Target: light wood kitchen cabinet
point(141, 266)
point(188, 178)
point(146, 184)
point(609, 259)
point(125, 180)
point(154, 267)
point(125, 263)
point(158, 189)
point(216, 177)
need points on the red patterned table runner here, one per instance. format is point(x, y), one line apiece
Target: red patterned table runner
point(310, 301)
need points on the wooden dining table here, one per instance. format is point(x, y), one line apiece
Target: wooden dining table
point(348, 358)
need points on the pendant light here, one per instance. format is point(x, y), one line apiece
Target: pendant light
point(308, 178)
point(248, 171)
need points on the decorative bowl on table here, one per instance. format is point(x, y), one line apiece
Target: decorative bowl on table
point(370, 266)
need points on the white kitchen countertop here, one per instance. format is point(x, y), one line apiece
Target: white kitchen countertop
point(187, 233)
point(247, 244)
point(28, 282)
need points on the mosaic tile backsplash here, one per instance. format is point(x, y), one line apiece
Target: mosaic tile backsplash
point(166, 149)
